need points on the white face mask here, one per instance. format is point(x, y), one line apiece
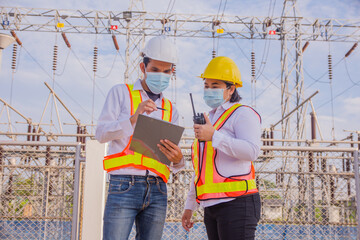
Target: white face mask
point(214, 97)
point(157, 81)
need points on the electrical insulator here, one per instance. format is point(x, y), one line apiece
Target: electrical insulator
point(13, 63)
point(330, 66)
point(351, 50)
point(16, 37)
point(213, 54)
point(305, 46)
point(95, 59)
point(115, 43)
point(253, 64)
point(55, 57)
point(66, 40)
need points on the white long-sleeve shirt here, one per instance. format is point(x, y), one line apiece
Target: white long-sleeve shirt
point(237, 144)
point(114, 124)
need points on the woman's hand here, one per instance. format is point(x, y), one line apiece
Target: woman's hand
point(170, 150)
point(147, 106)
point(186, 220)
point(204, 132)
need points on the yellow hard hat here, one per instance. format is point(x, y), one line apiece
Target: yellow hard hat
point(223, 68)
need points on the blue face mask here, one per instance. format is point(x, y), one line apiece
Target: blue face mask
point(157, 81)
point(214, 97)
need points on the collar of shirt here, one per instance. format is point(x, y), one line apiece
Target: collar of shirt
point(216, 112)
point(138, 86)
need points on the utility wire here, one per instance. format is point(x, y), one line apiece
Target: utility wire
point(341, 93)
point(41, 67)
point(222, 15)
point(172, 7)
point(321, 76)
point(91, 78)
point(348, 74)
point(112, 66)
point(271, 83)
point(344, 91)
point(167, 9)
point(217, 15)
point(65, 64)
point(168, 12)
point(243, 53)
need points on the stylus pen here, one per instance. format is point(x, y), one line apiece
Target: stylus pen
point(161, 108)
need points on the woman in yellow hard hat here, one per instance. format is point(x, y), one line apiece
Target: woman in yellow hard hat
point(222, 155)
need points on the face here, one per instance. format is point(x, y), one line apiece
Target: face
point(156, 66)
point(213, 83)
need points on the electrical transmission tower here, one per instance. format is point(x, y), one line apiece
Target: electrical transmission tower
point(135, 38)
point(292, 76)
point(135, 24)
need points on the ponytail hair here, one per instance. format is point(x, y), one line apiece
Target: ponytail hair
point(235, 97)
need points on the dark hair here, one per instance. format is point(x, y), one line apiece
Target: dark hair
point(235, 97)
point(146, 61)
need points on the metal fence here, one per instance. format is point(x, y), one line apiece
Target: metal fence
point(307, 193)
point(36, 190)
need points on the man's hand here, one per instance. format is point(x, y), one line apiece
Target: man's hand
point(170, 150)
point(147, 106)
point(186, 220)
point(204, 132)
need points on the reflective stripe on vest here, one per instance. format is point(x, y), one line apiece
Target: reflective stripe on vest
point(128, 158)
point(209, 183)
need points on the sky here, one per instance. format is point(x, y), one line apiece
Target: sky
point(74, 84)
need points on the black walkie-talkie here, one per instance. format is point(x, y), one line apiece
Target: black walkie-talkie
point(198, 118)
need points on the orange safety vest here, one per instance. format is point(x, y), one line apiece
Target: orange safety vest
point(128, 158)
point(209, 183)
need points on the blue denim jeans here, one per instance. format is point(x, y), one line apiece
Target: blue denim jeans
point(139, 199)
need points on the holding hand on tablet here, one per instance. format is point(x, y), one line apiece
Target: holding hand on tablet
point(147, 106)
point(170, 150)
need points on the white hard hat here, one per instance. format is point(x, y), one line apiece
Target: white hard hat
point(160, 48)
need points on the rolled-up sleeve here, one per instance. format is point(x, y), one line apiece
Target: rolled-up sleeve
point(113, 124)
point(191, 197)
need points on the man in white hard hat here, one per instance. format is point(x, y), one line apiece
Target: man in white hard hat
point(137, 188)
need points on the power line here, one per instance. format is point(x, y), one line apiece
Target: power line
point(62, 72)
point(217, 15)
point(272, 83)
point(272, 14)
point(91, 78)
point(315, 79)
point(242, 51)
point(222, 15)
point(172, 7)
point(112, 66)
point(269, 7)
point(167, 13)
point(341, 93)
point(41, 67)
point(318, 79)
point(348, 74)
point(167, 9)
point(345, 90)
point(267, 44)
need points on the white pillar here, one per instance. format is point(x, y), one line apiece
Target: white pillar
point(94, 191)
